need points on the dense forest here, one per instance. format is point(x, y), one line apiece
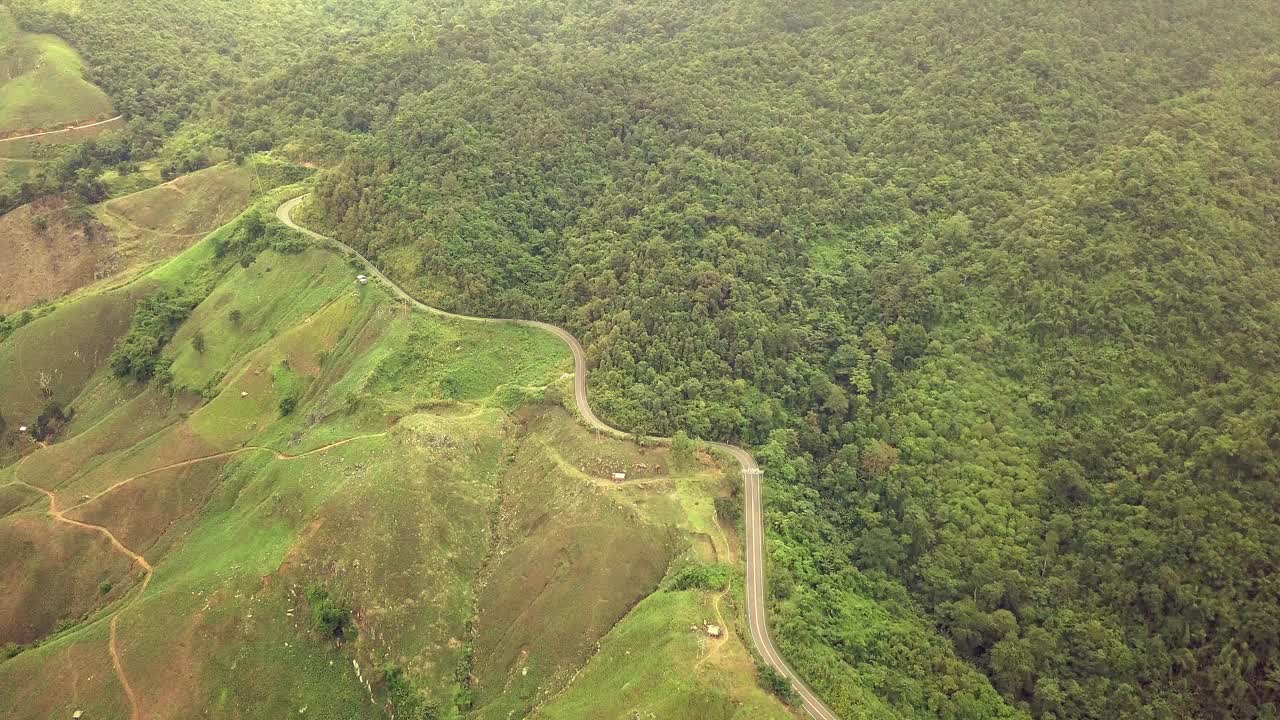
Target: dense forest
point(994, 288)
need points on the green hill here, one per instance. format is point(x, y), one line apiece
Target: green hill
point(315, 476)
point(990, 287)
point(42, 84)
point(58, 248)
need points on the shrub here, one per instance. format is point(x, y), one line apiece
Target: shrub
point(137, 354)
point(728, 510)
point(330, 617)
point(288, 404)
point(197, 341)
point(699, 576)
point(408, 702)
point(774, 682)
point(51, 417)
point(682, 449)
point(10, 650)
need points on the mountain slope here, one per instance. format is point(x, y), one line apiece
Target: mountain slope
point(314, 476)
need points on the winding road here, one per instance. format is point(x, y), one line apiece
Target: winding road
point(757, 620)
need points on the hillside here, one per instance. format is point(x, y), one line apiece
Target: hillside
point(313, 437)
point(994, 285)
point(990, 288)
point(58, 248)
point(42, 84)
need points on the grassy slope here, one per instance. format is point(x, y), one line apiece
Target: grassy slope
point(659, 663)
point(431, 522)
point(189, 205)
point(41, 82)
point(55, 254)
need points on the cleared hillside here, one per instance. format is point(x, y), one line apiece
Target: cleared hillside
point(57, 250)
point(42, 83)
point(319, 443)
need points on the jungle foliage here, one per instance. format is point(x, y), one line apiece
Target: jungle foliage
point(992, 285)
point(1003, 275)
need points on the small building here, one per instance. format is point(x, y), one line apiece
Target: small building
point(362, 279)
point(619, 476)
point(22, 429)
point(715, 631)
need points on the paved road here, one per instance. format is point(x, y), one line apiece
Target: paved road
point(67, 129)
point(751, 474)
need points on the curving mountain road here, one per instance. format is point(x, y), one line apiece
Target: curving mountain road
point(757, 621)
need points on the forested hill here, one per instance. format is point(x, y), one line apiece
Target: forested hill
point(995, 283)
point(993, 286)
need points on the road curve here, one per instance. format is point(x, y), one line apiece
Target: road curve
point(757, 621)
point(61, 130)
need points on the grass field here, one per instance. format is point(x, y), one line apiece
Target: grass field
point(192, 204)
point(427, 478)
point(659, 663)
point(42, 83)
point(67, 346)
point(54, 253)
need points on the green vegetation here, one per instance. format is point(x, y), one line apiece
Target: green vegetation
point(329, 616)
point(42, 82)
point(991, 285)
point(774, 682)
point(154, 322)
point(60, 246)
point(700, 577)
point(682, 674)
point(407, 436)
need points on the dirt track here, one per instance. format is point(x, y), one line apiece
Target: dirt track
point(28, 136)
point(757, 620)
point(135, 710)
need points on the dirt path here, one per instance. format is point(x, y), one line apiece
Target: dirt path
point(228, 453)
point(571, 470)
point(28, 136)
point(757, 619)
point(716, 643)
point(135, 712)
point(113, 644)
